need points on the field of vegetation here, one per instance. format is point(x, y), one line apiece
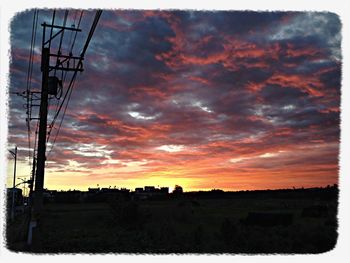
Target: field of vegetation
point(191, 224)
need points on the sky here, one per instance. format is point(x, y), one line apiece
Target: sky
point(228, 100)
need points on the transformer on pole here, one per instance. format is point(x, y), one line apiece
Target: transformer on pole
point(49, 87)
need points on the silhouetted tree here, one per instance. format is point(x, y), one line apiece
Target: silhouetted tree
point(178, 189)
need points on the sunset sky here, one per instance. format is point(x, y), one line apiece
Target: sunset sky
point(229, 100)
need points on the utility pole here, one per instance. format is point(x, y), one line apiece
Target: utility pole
point(14, 154)
point(40, 171)
point(64, 63)
point(61, 64)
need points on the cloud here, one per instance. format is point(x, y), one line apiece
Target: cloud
point(241, 99)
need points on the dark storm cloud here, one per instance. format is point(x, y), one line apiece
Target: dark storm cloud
point(332, 79)
point(231, 22)
point(284, 99)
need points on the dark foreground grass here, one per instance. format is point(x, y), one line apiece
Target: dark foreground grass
point(183, 225)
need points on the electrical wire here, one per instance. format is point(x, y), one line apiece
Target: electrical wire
point(53, 21)
point(64, 112)
point(73, 25)
point(58, 108)
point(71, 84)
point(61, 39)
point(92, 30)
point(76, 32)
point(29, 79)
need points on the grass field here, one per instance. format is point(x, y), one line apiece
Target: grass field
point(184, 225)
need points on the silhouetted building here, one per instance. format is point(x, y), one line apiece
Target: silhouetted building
point(150, 192)
point(138, 190)
point(150, 189)
point(105, 194)
point(93, 190)
point(71, 196)
point(49, 196)
point(164, 190)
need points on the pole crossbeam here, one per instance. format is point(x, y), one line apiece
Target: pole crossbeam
point(64, 64)
point(64, 56)
point(61, 27)
point(52, 37)
point(65, 69)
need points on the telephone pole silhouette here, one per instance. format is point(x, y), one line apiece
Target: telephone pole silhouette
point(14, 154)
point(64, 63)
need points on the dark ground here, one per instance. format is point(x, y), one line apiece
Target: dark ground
point(299, 221)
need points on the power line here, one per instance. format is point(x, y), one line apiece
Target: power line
point(93, 27)
point(92, 30)
point(29, 78)
point(61, 39)
point(58, 108)
point(53, 21)
point(76, 32)
point(62, 35)
point(64, 112)
point(73, 25)
point(45, 91)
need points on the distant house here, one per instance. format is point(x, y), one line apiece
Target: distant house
point(105, 194)
point(106, 190)
point(49, 196)
point(150, 192)
point(71, 196)
point(93, 190)
point(114, 190)
point(138, 190)
point(164, 190)
point(150, 189)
